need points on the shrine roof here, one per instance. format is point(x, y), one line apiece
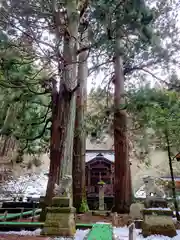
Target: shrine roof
point(91, 155)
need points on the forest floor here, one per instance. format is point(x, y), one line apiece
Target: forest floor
point(123, 219)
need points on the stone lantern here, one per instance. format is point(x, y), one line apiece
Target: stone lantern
point(101, 195)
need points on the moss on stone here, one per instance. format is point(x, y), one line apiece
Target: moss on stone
point(166, 230)
point(59, 224)
point(61, 210)
point(60, 202)
point(158, 212)
point(84, 206)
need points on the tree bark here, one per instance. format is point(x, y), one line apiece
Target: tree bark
point(79, 151)
point(122, 183)
point(55, 150)
point(60, 116)
point(70, 80)
point(64, 117)
point(5, 135)
point(172, 177)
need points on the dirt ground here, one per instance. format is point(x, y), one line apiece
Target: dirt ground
point(123, 219)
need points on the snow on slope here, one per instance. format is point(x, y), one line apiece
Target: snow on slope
point(35, 185)
point(30, 185)
point(120, 234)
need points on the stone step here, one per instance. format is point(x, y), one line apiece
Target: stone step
point(100, 231)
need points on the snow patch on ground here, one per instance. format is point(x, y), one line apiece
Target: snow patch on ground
point(120, 234)
point(23, 233)
point(80, 234)
point(159, 208)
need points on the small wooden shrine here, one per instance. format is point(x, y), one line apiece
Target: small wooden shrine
point(100, 168)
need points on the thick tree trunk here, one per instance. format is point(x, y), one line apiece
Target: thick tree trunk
point(60, 116)
point(122, 183)
point(70, 80)
point(79, 151)
point(64, 118)
point(66, 168)
point(55, 150)
point(7, 141)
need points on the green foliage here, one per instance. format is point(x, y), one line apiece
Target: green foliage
point(157, 109)
point(151, 111)
point(101, 182)
point(25, 107)
point(149, 32)
point(131, 21)
point(99, 114)
point(84, 206)
point(20, 83)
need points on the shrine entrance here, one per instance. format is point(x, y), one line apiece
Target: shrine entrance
point(99, 169)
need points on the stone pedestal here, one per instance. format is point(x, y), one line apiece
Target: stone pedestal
point(60, 218)
point(158, 221)
point(154, 202)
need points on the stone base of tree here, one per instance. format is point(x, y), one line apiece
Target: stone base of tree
point(158, 222)
point(60, 218)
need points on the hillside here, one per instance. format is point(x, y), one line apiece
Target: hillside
point(145, 157)
point(158, 167)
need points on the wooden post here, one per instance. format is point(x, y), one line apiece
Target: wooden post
point(21, 214)
point(111, 176)
point(89, 176)
point(33, 213)
point(132, 233)
point(115, 219)
point(5, 215)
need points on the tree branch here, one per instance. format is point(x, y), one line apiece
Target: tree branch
point(40, 135)
point(83, 49)
point(44, 119)
point(128, 70)
point(25, 146)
